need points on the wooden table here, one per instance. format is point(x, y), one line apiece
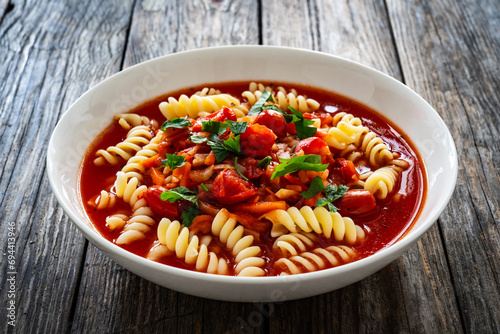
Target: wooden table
point(51, 53)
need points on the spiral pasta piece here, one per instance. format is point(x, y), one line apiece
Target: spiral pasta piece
point(129, 120)
point(176, 240)
point(347, 129)
point(116, 221)
point(374, 148)
point(208, 91)
point(105, 200)
point(136, 138)
point(134, 167)
point(232, 235)
point(141, 220)
point(319, 220)
point(317, 259)
point(293, 243)
point(382, 181)
point(192, 106)
point(283, 98)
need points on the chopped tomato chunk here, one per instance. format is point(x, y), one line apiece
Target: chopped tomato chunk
point(252, 171)
point(274, 121)
point(219, 116)
point(344, 170)
point(229, 188)
point(357, 202)
point(257, 141)
point(313, 145)
point(162, 208)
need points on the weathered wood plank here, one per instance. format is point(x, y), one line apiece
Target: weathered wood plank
point(360, 31)
point(113, 299)
point(451, 55)
point(50, 53)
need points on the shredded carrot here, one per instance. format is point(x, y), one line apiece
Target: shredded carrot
point(260, 207)
point(150, 162)
point(156, 176)
point(293, 180)
point(210, 160)
point(182, 173)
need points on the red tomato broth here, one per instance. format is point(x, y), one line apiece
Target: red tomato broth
point(385, 227)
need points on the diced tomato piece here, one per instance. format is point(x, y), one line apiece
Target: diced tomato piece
point(313, 145)
point(252, 171)
point(344, 170)
point(290, 128)
point(162, 208)
point(257, 141)
point(325, 117)
point(219, 116)
point(274, 121)
point(357, 202)
point(229, 188)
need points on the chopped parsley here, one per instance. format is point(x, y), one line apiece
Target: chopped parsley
point(301, 162)
point(204, 187)
point(264, 162)
point(183, 193)
point(237, 127)
point(315, 188)
point(333, 193)
point(258, 106)
point(173, 161)
point(197, 139)
point(302, 125)
point(237, 170)
point(215, 127)
point(177, 123)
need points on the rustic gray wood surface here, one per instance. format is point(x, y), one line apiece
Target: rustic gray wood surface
point(51, 52)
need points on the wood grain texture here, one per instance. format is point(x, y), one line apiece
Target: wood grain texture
point(398, 298)
point(454, 65)
point(50, 53)
point(113, 299)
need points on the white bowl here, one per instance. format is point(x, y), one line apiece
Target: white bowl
point(92, 112)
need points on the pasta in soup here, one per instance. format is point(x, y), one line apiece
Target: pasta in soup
point(252, 179)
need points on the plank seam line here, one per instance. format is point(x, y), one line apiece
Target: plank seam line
point(259, 22)
point(127, 37)
point(462, 317)
point(393, 39)
point(78, 287)
point(8, 8)
point(314, 27)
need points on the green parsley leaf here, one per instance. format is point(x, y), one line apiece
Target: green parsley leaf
point(174, 161)
point(294, 146)
point(218, 148)
point(302, 125)
point(264, 162)
point(197, 139)
point(301, 162)
point(257, 107)
point(237, 170)
point(189, 215)
point(183, 193)
point(215, 127)
point(315, 188)
point(204, 187)
point(232, 144)
point(178, 123)
point(179, 193)
point(237, 127)
point(333, 193)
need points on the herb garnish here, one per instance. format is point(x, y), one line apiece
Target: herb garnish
point(197, 139)
point(177, 123)
point(264, 162)
point(302, 125)
point(237, 170)
point(215, 127)
point(204, 187)
point(301, 162)
point(173, 161)
point(258, 106)
point(183, 193)
point(315, 188)
point(333, 193)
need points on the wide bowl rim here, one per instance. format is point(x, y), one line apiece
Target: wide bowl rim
point(109, 248)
